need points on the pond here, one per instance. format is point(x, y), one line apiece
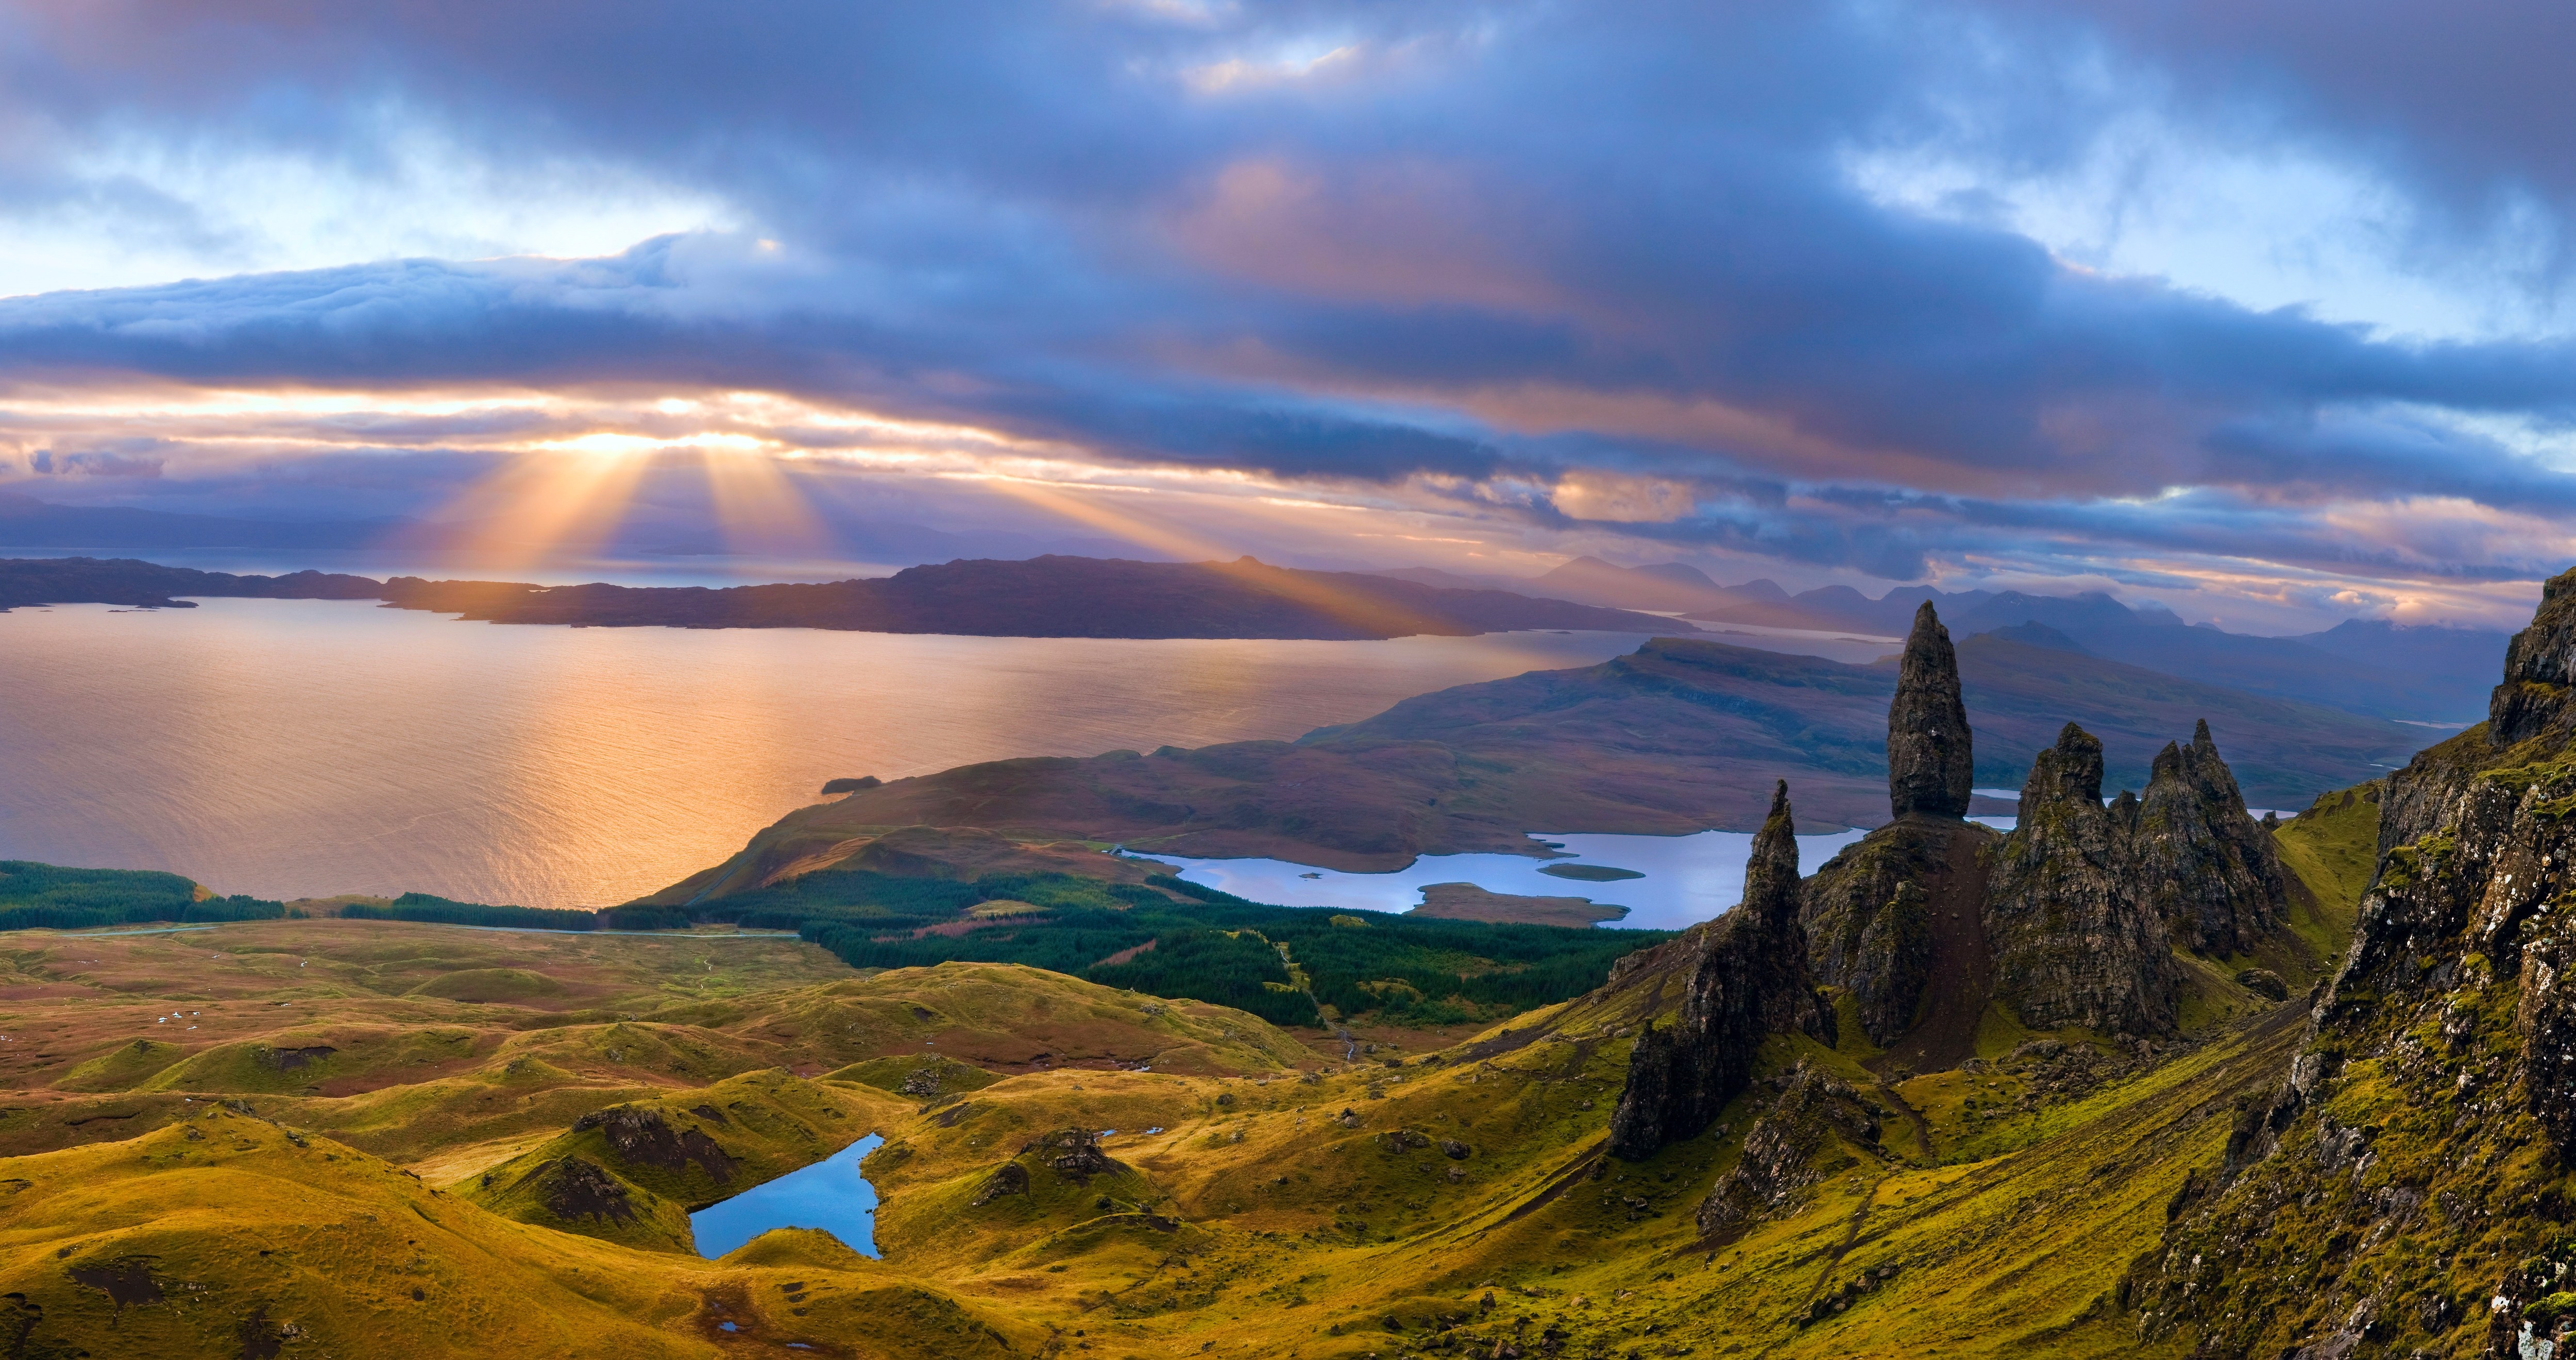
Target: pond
point(830, 1195)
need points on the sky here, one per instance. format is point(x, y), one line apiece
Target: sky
point(2261, 310)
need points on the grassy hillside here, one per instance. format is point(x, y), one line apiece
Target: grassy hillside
point(397, 1139)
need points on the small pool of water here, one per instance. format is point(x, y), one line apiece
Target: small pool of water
point(830, 1195)
point(1683, 879)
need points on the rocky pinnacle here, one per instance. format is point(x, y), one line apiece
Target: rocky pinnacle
point(1929, 763)
point(1747, 981)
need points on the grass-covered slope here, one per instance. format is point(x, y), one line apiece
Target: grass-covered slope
point(230, 1235)
point(1069, 1168)
point(632, 1172)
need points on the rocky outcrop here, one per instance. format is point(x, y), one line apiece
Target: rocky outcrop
point(1010, 1178)
point(1789, 1149)
point(2405, 1191)
point(573, 1189)
point(642, 1136)
point(1878, 915)
point(2072, 942)
point(1074, 1154)
point(1893, 920)
point(1747, 980)
point(1930, 767)
point(2204, 866)
point(2539, 671)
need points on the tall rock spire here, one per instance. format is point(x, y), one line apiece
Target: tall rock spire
point(1930, 767)
point(1748, 980)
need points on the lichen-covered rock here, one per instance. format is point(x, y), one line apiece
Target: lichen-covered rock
point(1799, 1142)
point(2072, 942)
point(1930, 766)
point(2204, 866)
point(1748, 980)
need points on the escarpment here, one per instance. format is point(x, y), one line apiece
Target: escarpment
point(2074, 943)
point(1747, 980)
point(2408, 1190)
point(2539, 672)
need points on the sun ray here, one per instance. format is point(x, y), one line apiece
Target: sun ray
point(1121, 514)
point(758, 507)
point(546, 503)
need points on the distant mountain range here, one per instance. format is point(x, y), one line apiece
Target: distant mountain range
point(2370, 667)
point(1042, 597)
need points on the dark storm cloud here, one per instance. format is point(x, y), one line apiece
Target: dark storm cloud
point(1474, 242)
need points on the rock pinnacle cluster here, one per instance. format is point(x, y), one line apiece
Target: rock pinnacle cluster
point(2072, 919)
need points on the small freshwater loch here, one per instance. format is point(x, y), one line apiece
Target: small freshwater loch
point(831, 1195)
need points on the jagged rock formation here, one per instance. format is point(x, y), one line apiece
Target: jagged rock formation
point(2203, 865)
point(2073, 943)
point(1789, 1149)
point(1748, 980)
point(2406, 1191)
point(1930, 768)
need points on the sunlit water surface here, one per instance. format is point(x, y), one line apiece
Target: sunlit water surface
point(292, 748)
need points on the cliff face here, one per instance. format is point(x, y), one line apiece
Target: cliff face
point(2205, 867)
point(2539, 671)
point(1895, 921)
point(1930, 768)
point(2073, 942)
point(1747, 981)
point(2408, 1189)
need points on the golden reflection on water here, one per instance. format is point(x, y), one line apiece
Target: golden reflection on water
point(302, 748)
